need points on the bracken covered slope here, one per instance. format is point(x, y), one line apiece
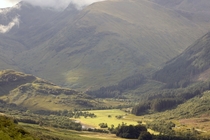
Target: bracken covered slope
point(37, 94)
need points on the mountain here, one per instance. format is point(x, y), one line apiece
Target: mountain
point(186, 5)
point(37, 94)
point(190, 66)
point(196, 11)
point(32, 26)
point(108, 41)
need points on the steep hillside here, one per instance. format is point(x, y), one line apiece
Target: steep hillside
point(196, 11)
point(186, 5)
point(37, 94)
point(192, 65)
point(195, 107)
point(109, 41)
point(32, 26)
point(33, 23)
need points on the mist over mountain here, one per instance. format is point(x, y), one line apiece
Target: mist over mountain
point(57, 4)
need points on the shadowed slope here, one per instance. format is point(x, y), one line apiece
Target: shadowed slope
point(188, 66)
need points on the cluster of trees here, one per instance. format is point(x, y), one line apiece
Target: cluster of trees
point(164, 104)
point(141, 108)
point(130, 132)
point(115, 91)
point(155, 105)
point(165, 128)
point(103, 125)
point(168, 133)
point(169, 98)
point(162, 126)
point(98, 130)
point(62, 122)
point(67, 113)
point(51, 120)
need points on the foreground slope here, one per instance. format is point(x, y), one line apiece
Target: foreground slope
point(109, 41)
point(10, 130)
point(190, 66)
point(37, 94)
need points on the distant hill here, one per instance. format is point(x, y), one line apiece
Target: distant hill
point(186, 5)
point(194, 10)
point(108, 41)
point(190, 66)
point(36, 94)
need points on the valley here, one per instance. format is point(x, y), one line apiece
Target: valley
point(71, 48)
point(114, 69)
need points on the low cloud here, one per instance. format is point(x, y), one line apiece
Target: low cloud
point(7, 28)
point(58, 3)
point(7, 10)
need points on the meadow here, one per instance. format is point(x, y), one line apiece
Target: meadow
point(111, 117)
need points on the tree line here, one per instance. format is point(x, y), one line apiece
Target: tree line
point(115, 91)
point(155, 105)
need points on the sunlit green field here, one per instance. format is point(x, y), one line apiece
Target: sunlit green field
point(109, 117)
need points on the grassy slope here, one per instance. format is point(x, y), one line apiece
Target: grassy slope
point(196, 11)
point(195, 107)
point(31, 31)
point(189, 65)
point(193, 114)
point(8, 49)
point(68, 134)
point(9, 130)
point(37, 94)
point(108, 41)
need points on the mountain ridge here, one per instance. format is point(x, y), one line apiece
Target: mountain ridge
point(97, 43)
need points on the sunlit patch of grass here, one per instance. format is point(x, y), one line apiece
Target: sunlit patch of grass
point(153, 132)
point(109, 117)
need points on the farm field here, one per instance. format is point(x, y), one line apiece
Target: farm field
point(111, 117)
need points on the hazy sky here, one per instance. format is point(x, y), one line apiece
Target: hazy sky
point(51, 3)
point(6, 3)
